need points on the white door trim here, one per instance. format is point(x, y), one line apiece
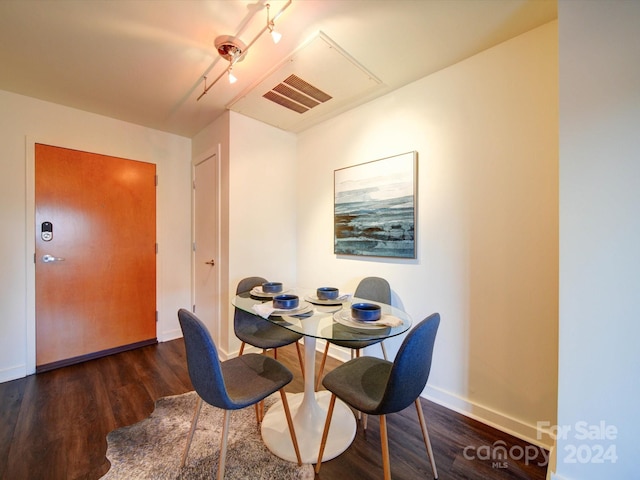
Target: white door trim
point(30, 251)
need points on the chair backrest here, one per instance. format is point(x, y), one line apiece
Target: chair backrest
point(203, 361)
point(245, 285)
point(411, 367)
point(374, 288)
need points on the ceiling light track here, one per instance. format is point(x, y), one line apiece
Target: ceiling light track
point(233, 50)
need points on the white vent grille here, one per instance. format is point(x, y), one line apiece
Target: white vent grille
point(318, 80)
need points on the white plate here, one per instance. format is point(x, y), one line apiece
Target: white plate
point(318, 301)
point(257, 292)
point(344, 317)
point(303, 307)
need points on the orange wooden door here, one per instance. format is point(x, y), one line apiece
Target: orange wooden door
point(97, 289)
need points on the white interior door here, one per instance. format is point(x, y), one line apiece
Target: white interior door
point(205, 243)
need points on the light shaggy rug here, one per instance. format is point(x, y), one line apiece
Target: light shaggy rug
point(152, 448)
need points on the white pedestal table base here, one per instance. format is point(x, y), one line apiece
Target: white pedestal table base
point(309, 424)
point(309, 413)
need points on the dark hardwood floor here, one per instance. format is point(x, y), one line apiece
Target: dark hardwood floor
point(54, 424)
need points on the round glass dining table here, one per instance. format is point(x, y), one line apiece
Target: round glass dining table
point(329, 320)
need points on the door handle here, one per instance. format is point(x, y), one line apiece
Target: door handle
point(210, 262)
point(50, 258)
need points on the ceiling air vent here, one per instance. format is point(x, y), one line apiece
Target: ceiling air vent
point(318, 80)
point(296, 95)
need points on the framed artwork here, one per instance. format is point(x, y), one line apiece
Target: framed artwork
point(375, 208)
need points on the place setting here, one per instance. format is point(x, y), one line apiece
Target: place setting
point(328, 296)
point(267, 290)
point(365, 316)
point(281, 303)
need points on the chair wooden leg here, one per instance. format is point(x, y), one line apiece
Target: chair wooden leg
point(384, 351)
point(425, 435)
point(194, 422)
point(223, 444)
point(275, 353)
point(325, 434)
point(241, 348)
point(300, 359)
point(357, 355)
point(259, 407)
point(321, 369)
point(292, 430)
point(384, 442)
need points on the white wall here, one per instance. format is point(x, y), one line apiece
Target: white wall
point(262, 233)
point(259, 213)
point(599, 361)
point(25, 120)
point(486, 134)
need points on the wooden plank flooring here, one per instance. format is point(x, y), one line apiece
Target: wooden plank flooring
point(54, 424)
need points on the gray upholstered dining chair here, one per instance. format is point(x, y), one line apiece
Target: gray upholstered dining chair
point(370, 288)
point(259, 332)
point(230, 385)
point(379, 387)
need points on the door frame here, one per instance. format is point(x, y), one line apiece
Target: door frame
point(30, 234)
point(215, 329)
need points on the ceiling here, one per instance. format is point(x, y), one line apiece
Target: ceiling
point(143, 61)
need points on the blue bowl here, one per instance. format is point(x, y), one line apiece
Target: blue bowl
point(327, 293)
point(272, 287)
point(285, 302)
point(365, 312)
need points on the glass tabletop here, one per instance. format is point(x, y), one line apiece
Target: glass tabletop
point(332, 322)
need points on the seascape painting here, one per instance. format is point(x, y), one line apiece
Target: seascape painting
point(375, 208)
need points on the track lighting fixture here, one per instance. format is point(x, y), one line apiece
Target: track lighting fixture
point(232, 77)
point(276, 36)
point(230, 49)
point(233, 50)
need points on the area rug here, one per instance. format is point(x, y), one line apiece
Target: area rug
point(152, 448)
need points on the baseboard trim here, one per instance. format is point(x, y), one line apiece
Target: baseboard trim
point(488, 416)
point(529, 433)
point(170, 335)
point(339, 353)
point(13, 373)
